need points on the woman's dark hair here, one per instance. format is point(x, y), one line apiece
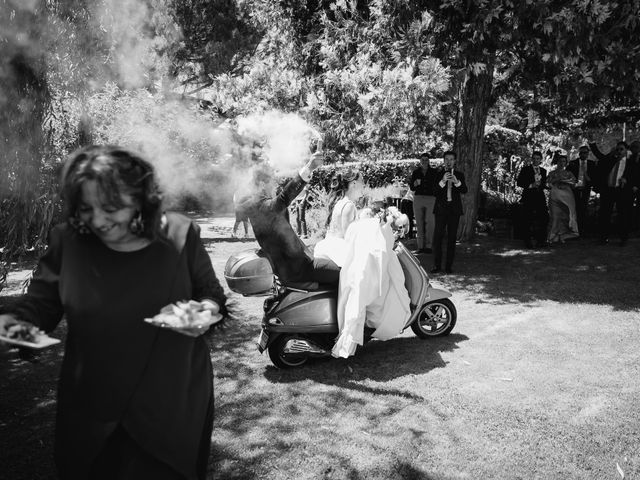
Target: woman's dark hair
point(339, 185)
point(557, 156)
point(117, 171)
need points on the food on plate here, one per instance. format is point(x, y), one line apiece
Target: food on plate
point(23, 332)
point(191, 318)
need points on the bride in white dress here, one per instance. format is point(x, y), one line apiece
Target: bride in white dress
point(345, 190)
point(372, 285)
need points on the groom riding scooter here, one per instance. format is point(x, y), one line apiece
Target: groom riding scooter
point(289, 256)
point(300, 316)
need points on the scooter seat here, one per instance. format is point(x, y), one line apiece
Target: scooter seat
point(311, 286)
point(307, 286)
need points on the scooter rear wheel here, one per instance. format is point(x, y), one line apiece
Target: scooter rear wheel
point(435, 319)
point(282, 360)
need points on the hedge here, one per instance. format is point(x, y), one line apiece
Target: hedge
point(374, 174)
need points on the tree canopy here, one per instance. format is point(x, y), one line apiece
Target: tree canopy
point(381, 78)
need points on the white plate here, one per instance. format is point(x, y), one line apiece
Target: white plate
point(190, 330)
point(44, 341)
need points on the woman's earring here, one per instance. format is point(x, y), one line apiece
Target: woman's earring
point(79, 226)
point(136, 226)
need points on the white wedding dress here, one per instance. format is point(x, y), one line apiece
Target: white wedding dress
point(371, 288)
point(333, 246)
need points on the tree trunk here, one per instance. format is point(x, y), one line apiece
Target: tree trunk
point(473, 107)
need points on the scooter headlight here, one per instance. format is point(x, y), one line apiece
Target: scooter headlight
point(275, 322)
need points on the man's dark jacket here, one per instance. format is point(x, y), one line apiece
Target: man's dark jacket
point(592, 170)
point(527, 176)
point(606, 162)
point(291, 259)
point(427, 181)
point(444, 207)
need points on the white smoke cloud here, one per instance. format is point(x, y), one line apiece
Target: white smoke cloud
point(286, 138)
point(186, 147)
point(129, 32)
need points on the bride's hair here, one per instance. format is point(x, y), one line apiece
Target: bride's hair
point(339, 186)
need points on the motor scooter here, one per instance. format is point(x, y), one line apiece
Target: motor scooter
point(300, 319)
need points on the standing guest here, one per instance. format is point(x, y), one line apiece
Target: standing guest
point(447, 210)
point(564, 224)
point(422, 184)
point(533, 178)
point(300, 208)
point(406, 207)
point(268, 212)
point(241, 218)
point(584, 170)
point(134, 400)
point(634, 165)
point(615, 190)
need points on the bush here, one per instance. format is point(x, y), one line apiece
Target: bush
point(374, 174)
point(494, 205)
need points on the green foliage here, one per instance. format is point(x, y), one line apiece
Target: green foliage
point(26, 204)
point(502, 153)
point(383, 80)
point(374, 174)
point(362, 75)
point(216, 35)
point(380, 93)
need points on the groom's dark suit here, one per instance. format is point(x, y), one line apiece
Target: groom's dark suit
point(534, 205)
point(291, 259)
point(447, 213)
point(582, 193)
point(611, 194)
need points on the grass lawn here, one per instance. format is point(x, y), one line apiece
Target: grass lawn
point(539, 380)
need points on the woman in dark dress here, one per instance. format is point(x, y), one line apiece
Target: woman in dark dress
point(134, 400)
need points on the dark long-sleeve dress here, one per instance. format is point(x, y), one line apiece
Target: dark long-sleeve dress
point(117, 370)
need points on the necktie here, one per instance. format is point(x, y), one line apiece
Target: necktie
point(621, 166)
point(583, 171)
point(613, 176)
point(449, 198)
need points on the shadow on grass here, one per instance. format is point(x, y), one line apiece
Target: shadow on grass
point(375, 362)
point(28, 381)
point(580, 271)
point(382, 369)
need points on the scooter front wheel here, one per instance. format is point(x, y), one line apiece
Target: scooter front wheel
point(285, 360)
point(435, 319)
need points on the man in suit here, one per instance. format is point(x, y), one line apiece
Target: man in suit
point(615, 190)
point(267, 210)
point(585, 171)
point(533, 179)
point(422, 184)
point(447, 211)
point(634, 179)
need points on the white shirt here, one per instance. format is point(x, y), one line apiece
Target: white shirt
point(621, 164)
